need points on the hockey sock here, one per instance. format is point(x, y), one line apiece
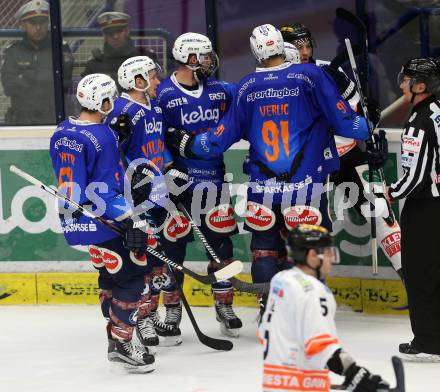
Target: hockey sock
point(264, 265)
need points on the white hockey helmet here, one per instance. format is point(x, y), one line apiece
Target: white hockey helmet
point(191, 43)
point(292, 54)
point(266, 41)
point(93, 89)
point(134, 66)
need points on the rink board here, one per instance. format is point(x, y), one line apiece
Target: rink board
point(30, 234)
point(369, 296)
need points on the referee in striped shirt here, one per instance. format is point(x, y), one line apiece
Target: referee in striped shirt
point(419, 81)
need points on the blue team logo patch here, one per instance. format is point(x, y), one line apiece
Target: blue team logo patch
point(133, 317)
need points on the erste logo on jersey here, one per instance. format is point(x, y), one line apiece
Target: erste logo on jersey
point(221, 219)
point(296, 215)
point(259, 217)
point(220, 96)
point(175, 227)
point(199, 115)
point(177, 102)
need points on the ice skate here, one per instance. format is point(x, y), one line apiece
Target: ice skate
point(169, 335)
point(230, 324)
point(173, 315)
point(131, 355)
point(146, 332)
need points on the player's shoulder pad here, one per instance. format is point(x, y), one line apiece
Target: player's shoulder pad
point(304, 282)
point(165, 88)
point(244, 84)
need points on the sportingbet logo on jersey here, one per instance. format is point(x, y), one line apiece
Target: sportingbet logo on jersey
point(199, 116)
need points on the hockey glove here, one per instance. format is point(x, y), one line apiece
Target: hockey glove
point(136, 235)
point(374, 111)
point(177, 182)
point(179, 142)
point(377, 153)
point(123, 126)
point(346, 87)
point(141, 183)
point(359, 379)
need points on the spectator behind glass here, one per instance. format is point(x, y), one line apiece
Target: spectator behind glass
point(26, 73)
point(118, 46)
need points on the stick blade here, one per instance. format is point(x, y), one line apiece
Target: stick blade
point(229, 271)
point(351, 18)
point(399, 373)
point(216, 344)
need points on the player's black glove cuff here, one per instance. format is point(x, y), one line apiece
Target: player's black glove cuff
point(179, 142)
point(135, 238)
point(377, 153)
point(359, 379)
point(346, 87)
point(123, 126)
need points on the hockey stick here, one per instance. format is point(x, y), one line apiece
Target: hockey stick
point(359, 25)
point(216, 344)
point(399, 373)
point(255, 288)
point(224, 274)
point(370, 171)
point(342, 57)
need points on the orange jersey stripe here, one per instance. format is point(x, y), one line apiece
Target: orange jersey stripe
point(319, 343)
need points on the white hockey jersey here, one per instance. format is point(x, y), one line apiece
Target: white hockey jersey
point(298, 333)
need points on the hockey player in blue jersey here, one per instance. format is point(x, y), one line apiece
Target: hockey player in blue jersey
point(353, 159)
point(85, 158)
point(191, 99)
point(139, 122)
point(285, 111)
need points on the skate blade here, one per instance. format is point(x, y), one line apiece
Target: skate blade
point(229, 271)
point(232, 333)
point(422, 357)
point(170, 341)
point(118, 363)
point(139, 369)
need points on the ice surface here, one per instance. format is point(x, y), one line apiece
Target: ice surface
point(63, 348)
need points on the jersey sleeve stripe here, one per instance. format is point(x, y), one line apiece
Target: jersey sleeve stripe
point(319, 343)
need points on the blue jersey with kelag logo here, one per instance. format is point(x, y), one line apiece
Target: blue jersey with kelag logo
point(146, 143)
point(196, 111)
point(85, 158)
point(285, 112)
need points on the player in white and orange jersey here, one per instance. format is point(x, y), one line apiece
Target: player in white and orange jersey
point(298, 328)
